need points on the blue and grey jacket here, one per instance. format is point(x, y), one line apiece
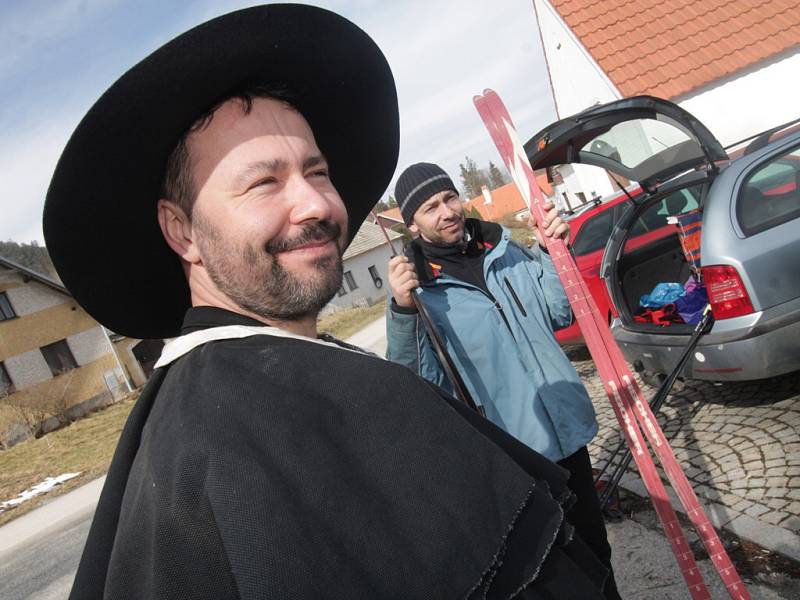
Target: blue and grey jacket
point(504, 348)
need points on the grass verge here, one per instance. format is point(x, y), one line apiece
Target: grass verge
point(86, 446)
point(344, 323)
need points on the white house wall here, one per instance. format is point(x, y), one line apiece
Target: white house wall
point(33, 297)
point(27, 369)
point(87, 346)
point(757, 100)
point(8, 275)
point(577, 83)
point(366, 293)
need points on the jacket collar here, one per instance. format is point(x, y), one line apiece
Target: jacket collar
point(482, 236)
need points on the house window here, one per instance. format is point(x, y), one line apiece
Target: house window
point(6, 310)
point(351, 281)
point(59, 357)
point(341, 291)
point(6, 385)
point(376, 277)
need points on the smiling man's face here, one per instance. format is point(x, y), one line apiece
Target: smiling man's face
point(267, 221)
point(440, 219)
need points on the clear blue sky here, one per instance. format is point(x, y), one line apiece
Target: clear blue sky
point(58, 56)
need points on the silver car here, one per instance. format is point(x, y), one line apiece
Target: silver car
point(743, 249)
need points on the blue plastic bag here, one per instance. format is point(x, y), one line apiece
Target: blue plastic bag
point(663, 293)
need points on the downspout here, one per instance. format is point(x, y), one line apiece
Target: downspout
point(116, 359)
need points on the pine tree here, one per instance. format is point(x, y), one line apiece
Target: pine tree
point(33, 256)
point(497, 178)
point(383, 205)
point(472, 178)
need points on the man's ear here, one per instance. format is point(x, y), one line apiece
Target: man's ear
point(177, 231)
point(413, 228)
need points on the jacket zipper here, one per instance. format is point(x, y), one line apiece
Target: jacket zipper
point(494, 300)
point(499, 308)
point(516, 298)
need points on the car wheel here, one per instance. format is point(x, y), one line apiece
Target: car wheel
point(653, 379)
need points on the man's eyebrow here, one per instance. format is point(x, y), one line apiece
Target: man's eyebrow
point(314, 161)
point(429, 202)
point(265, 167)
point(258, 169)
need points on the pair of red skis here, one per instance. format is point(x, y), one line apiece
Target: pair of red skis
point(635, 417)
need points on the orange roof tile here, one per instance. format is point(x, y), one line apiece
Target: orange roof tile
point(667, 48)
point(392, 213)
point(505, 200)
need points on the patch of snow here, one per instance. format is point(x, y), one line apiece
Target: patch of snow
point(40, 488)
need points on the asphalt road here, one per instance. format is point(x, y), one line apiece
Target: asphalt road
point(44, 568)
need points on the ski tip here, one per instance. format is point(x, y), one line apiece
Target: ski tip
point(477, 98)
point(486, 92)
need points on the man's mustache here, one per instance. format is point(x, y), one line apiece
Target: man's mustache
point(449, 222)
point(319, 231)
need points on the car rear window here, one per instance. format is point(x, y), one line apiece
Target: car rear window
point(655, 216)
point(771, 194)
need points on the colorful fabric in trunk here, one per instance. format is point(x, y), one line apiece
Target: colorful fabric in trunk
point(689, 225)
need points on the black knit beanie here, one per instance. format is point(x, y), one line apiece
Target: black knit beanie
point(417, 184)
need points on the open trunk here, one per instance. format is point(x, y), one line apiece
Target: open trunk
point(653, 255)
point(670, 155)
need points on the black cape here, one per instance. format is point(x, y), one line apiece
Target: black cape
point(269, 467)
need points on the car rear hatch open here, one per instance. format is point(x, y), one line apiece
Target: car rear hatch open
point(672, 156)
point(643, 139)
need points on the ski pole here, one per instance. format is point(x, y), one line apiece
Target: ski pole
point(703, 327)
point(437, 342)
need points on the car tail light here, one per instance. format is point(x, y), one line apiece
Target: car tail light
point(726, 292)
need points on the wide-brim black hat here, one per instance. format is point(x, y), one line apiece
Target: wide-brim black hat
point(100, 222)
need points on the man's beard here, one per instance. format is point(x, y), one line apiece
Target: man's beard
point(255, 281)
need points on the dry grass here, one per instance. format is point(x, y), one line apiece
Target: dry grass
point(344, 323)
point(523, 235)
point(86, 446)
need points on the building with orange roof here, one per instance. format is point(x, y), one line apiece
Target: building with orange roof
point(391, 219)
point(732, 63)
point(506, 200)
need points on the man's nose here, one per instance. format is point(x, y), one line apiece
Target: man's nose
point(448, 211)
point(309, 202)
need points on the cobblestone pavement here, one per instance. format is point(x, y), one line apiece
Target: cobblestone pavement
point(738, 443)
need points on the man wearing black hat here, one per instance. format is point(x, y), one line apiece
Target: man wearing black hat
point(496, 305)
point(208, 196)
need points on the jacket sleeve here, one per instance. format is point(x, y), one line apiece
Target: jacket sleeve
point(408, 345)
point(558, 307)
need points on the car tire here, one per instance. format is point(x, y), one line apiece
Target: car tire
point(652, 378)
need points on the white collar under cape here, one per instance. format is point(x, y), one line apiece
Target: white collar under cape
point(184, 344)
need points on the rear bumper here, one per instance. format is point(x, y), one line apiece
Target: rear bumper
point(757, 346)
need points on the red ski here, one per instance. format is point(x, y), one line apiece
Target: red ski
point(630, 407)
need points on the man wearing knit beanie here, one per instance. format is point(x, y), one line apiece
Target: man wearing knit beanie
point(418, 183)
point(496, 304)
